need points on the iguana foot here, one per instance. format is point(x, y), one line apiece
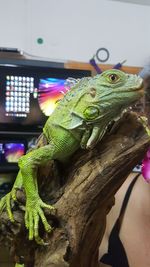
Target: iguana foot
point(19, 265)
point(5, 202)
point(34, 212)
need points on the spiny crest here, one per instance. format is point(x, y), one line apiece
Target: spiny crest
point(75, 86)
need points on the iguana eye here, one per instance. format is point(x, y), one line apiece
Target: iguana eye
point(113, 78)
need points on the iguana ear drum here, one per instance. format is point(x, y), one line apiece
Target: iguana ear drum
point(91, 113)
point(93, 92)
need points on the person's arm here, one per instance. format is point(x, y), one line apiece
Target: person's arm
point(112, 217)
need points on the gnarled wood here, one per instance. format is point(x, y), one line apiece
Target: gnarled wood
point(82, 197)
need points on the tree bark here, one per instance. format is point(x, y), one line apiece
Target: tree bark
point(82, 191)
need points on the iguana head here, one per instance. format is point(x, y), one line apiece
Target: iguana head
point(114, 90)
point(99, 99)
point(120, 85)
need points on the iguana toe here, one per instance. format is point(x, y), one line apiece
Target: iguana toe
point(34, 213)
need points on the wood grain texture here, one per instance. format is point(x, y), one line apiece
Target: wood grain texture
point(83, 192)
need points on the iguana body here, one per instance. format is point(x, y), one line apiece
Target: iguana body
point(79, 120)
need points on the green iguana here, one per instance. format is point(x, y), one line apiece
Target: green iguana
point(80, 119)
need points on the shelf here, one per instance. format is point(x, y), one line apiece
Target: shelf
point(9, 168)
point(87, 66)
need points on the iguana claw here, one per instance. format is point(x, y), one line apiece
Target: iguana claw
point(34, 212)
point(41, 242)
point(144, 121)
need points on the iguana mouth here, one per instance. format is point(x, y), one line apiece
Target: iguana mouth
point(140, 86)
point(140, 90)
point(136, 106)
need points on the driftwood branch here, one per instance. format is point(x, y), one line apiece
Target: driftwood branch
point(83, 192)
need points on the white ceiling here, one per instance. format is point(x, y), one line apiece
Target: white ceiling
point(139, 2)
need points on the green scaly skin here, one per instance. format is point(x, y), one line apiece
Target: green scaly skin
point(80, 119)
point(19, 265)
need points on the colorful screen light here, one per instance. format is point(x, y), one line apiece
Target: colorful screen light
point(13, 151)
point(49, 92)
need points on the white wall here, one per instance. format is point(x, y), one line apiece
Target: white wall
point(75, 29)
point(13, 23)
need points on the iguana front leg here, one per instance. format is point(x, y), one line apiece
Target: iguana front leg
point(5, 202)
point(85, 138)
point(34, 205)
point(91, 138)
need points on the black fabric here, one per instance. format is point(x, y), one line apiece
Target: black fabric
point(116, 255)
